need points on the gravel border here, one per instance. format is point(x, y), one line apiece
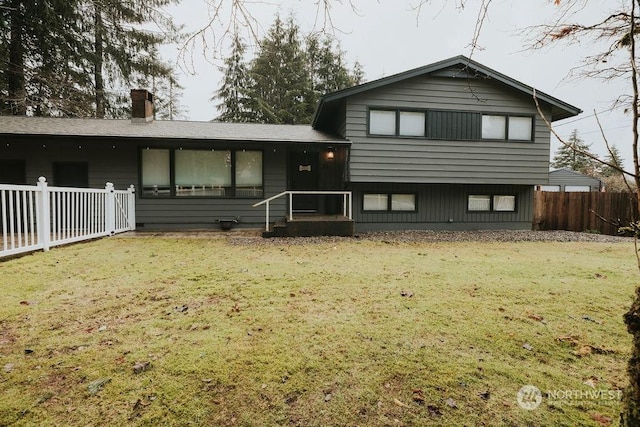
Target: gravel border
point(439, 236)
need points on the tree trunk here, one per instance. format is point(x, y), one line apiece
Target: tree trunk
point(631, 403)
point(17, 104)
point(97, 65)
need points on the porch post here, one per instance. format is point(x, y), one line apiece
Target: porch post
point(110, 210)
point(43, 216)
point(131, 199)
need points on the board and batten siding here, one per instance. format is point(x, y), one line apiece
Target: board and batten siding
point(420, 160)
point(117, 161)
point(203, 212)
point(443, 207)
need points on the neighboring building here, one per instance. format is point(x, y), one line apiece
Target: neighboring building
point(568, 180)
point(452, 145)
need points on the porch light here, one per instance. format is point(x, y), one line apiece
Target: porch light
point(330, 154)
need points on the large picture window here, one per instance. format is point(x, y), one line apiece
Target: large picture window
point(201, 173)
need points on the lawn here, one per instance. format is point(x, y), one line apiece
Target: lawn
point(187, 331)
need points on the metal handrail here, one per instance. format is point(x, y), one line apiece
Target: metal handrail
point(346, 202)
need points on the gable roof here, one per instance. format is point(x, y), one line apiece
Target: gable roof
point(559, 109)
point(159, 129)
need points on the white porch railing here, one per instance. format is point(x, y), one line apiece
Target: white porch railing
point(39, 217)
point(346, 202)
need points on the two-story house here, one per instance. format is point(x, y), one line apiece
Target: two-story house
point(452, 145)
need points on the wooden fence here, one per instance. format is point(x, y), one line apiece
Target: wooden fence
point(593, 211)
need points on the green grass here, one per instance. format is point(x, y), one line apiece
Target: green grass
point(312, 335)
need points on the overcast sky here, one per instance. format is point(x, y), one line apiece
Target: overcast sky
point(390, 36)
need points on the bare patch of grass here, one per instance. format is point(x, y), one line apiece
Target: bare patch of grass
point(350, 332)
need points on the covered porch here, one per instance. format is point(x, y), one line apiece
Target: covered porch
point(317, 201)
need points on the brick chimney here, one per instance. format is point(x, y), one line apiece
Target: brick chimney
point(141, 106)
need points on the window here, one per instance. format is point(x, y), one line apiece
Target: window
point(479, 203)
point(249, 173)
point(504, 203)
point(389, 202)
point(13, 171)
point(577, 188)
point(403, 202)
point(551, 188)
point(494, 127)
point(375, 202)
point(511, 128)
point(412, 123)
point(489, 203)
point(71, 174)
point(382, 122)
point(449, 125)
point(155, 172)
point(201, 173)
point(520, 128)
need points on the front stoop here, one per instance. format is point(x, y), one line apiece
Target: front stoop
point(309, 226)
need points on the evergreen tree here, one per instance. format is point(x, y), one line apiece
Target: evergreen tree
point(122, 50)
point(235, 86)
point(285, 80)
point(76, 57)
point(572, 156)
point(328, 70)
point(615, 159)
point(281, 83)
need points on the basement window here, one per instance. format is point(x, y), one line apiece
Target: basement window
point(394, 202)
point(491, 203)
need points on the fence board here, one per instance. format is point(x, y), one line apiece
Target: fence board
point(575, 211)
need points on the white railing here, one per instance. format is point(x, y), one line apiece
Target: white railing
point(39, 217)
point(346, 202)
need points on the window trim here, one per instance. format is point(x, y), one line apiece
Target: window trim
point(507, 117)
point(172, 173)
point(390, 195)
point(492, 209)
point(426, 112)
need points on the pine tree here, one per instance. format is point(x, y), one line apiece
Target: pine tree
point(571, 156)
point(122, 50)
point(76, 57)
point(235, 86)
point(281, 83)
point(285, 80)
point(328, 70)
point(615, 159)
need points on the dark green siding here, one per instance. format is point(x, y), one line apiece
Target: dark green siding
point(443, 207)
point(446, 160)
point(116, 161)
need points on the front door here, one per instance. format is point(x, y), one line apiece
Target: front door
point(303, 175)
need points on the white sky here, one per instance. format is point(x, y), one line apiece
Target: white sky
point(389, 36)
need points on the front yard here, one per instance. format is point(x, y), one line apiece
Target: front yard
point(192, 331)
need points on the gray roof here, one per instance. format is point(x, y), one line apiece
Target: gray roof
point(20, 125)
point(559, 109)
